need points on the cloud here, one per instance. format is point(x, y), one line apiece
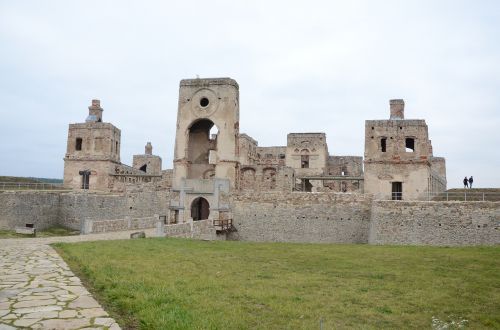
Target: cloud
point(302, 66)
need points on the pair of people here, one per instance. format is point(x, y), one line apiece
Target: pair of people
point(468, 182)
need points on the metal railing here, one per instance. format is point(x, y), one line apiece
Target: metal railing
point(465, 196)
point(223, 224)
point(31, 186)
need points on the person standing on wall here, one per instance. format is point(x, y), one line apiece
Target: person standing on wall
point(466, 183)
point(470, 182)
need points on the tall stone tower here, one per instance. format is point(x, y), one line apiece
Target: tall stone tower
point(206, 146)
point(207, 130)
point(92, 149)
point(399, 163)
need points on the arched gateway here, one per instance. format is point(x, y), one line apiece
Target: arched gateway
point(200, 209)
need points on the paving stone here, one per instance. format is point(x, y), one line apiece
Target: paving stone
point(4, 312)
point(4, 326)
point(64, 323)
point(105, 321)
point(25, 322)
point(9, 317)
point(25, 298)
point(33, 303)
point(66, 314)
point(42, 315)
point(84, 302)
point(37, 309)
point(114, 326)
point(78, 290)
point(93, 312)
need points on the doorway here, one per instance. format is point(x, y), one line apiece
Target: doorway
point(200, 209)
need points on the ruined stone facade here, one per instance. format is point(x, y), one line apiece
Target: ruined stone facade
point(213, 160)
point(399, 163)
point(92, 160)
point(298, 192)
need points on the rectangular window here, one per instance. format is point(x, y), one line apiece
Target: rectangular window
point(78, 144)
point(383, 144)
point(304, 161)
point(85, 179)
point(410, 144)
point(397, 191)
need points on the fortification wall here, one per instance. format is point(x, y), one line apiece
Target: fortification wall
point(301, 217)
point(76, 207)
point(435, 223)
point(21, 207)
point(45, 209)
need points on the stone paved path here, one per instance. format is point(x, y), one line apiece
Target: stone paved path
point(38, 291)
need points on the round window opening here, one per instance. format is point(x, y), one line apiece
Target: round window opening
point(204, 102)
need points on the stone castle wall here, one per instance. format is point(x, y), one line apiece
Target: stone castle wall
point(301, 217)
point(22, 207)
point(76, 207)
point(45, 209)
point(269, 216)
point(435, 223)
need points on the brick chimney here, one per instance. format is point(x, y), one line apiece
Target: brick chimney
point(397, 109)
point(148, 150)
point(95, 111)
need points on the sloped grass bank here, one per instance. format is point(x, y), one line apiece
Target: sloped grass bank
point(186, 284)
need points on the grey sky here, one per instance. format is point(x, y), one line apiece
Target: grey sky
point(302, 66)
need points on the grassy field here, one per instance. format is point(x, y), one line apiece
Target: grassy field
point(49, 232)
point(185, 284)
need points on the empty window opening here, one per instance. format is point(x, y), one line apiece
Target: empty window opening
point(78, 144)
point(343, 171)
point(204, 102)
point(85, 179)
point(143, 167)
point(199, 146)
point(200, 209)
point(214, 132)
point(410, 144)
point(304, 161)
point(397, 191)
point(307, 186)
point(383, 144)
point(116, 146)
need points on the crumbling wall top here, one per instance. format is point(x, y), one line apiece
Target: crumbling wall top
point(204, 82)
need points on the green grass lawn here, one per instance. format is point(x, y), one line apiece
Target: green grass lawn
point(186, 284)
point(49, 232)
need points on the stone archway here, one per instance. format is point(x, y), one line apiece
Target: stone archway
point(200, 209)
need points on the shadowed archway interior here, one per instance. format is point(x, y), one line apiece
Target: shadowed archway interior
point(200, 209)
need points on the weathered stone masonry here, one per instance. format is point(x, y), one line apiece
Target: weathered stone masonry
point(294, 193)
point(45, 209)
point(302, 217)
point(272, 217)
point(435, 223)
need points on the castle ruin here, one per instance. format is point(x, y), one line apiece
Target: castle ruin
point(223, 185)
